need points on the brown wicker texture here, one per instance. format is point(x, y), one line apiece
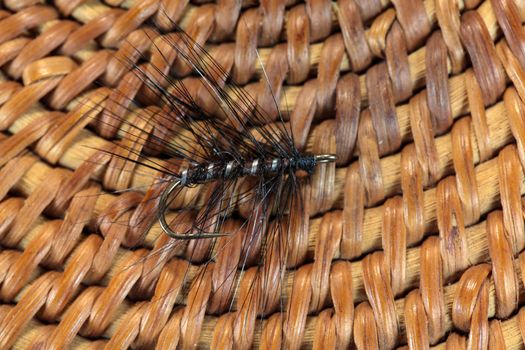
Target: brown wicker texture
point(415, 238)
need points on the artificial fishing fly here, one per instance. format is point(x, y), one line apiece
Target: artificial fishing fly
point(213, 172)
point(228, 148)
point(242, 157)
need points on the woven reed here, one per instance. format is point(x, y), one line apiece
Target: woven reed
point(415, 239)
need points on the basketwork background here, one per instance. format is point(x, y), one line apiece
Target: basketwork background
point(414, 239)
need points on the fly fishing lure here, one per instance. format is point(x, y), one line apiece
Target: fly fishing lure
point(227, 149)
point(243, 156)
point(202, 173)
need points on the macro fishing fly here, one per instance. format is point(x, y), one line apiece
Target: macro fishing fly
point(227, 149)
point(238, 165)
point(231, 170)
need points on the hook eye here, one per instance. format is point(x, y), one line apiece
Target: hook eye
point(325, 158)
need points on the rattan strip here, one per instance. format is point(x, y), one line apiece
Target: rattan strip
point(416, 61)
point(498, 123)
point(403, 118)
point(392, 179)
point(475, 291)
point(387, 193)
point(411, 263)
point(506, 334)
point(372, 232)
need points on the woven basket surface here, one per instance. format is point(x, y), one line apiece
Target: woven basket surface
point(415, 236)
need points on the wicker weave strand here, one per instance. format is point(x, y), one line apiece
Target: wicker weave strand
point(415, 239)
